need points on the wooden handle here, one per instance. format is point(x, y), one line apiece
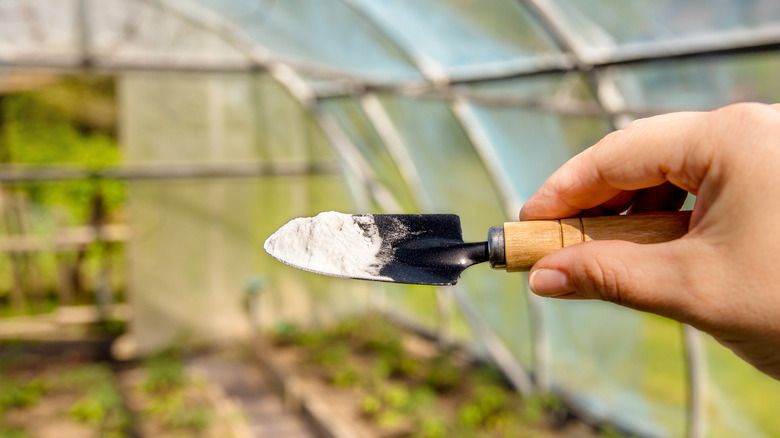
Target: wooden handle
point(527, 242)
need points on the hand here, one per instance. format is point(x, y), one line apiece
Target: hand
point(723, 277)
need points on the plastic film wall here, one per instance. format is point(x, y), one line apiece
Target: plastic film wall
point(197, 251)
point(459, 106)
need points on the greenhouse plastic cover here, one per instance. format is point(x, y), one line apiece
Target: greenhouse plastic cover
point(457, 106)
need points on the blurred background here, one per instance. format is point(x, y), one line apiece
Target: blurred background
point(148, 148)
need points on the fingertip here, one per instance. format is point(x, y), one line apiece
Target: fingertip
point(550, 282)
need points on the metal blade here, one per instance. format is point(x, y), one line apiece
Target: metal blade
point(401, 248)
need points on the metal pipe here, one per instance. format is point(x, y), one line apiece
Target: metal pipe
point(18, 174)
point(696, 367)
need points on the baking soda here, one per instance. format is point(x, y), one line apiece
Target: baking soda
point(332, 243)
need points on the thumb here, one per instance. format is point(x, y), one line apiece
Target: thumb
point(645, 277)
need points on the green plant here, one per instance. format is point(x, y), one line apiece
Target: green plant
point(402, 366)
point(102, 404)
point(113, 327)
point(286, 333)
point(84, 376)
point(490, 399)
point(535, 407)
point(421, 399)
point(13, 432)
point(164, 372)
point(370, 405)
point(15, 394)
point(470, 415)
point(389, 419)
point(195, 418)
point(174, 414)
point(331, 354)
point(396, 397)
point(442, 375)
point(343, 376)
point(485, 408)
point(374, 334)
point(88, 410)
point(381, 368)
point(431, 428)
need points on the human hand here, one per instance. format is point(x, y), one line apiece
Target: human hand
point(723, 276)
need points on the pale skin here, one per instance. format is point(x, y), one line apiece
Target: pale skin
point(723, 277)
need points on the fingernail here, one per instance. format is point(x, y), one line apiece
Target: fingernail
point(550, 282)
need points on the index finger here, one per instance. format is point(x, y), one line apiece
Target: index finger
point(644, 154)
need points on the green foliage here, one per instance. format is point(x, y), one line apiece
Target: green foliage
point(344, 376)
point(490, 407)
point(15, 394)
point(101, 405)
point(535, 407)
point(88, 410)
point(403, 395)
point(396, 396)
point(372, 334)
point(442, 374)
point(174, 414)
point(422, 399)
point(13, 432)
point(330, 354)
point(286, 333)
point(370, 405)
point(431, 427)
point(470, 415)
point(113, 327)
point(397, 365)
point(164, 372)
point(170, 403)
point(83, 376)
point(389, 419)
point(36, 132)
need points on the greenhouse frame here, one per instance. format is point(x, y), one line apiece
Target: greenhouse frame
point(238, 115)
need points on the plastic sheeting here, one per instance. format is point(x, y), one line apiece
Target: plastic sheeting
point(197, 247)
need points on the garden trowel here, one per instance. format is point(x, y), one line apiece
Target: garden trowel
point(429, 248)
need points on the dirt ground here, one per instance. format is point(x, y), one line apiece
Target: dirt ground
point(378, 381)
point(68, 395)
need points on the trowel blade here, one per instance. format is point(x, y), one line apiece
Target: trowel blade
point(400, 248)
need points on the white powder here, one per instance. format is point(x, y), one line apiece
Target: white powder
point(330, 243)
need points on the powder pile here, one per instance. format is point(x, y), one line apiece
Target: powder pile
point(331, 243)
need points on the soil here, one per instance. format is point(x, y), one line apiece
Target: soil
point(304, 364)
point(54, 393)
point(48, 415)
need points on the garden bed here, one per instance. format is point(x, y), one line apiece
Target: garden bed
point(64, 394)
point(364, 377)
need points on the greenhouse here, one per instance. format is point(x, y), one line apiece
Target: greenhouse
point(233, 117)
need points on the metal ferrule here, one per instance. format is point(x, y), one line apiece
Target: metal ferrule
point(496, 254)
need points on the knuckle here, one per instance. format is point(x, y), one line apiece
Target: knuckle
point(608, 140)
point(746, 111)
point(730, 126)
point(636, 123)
